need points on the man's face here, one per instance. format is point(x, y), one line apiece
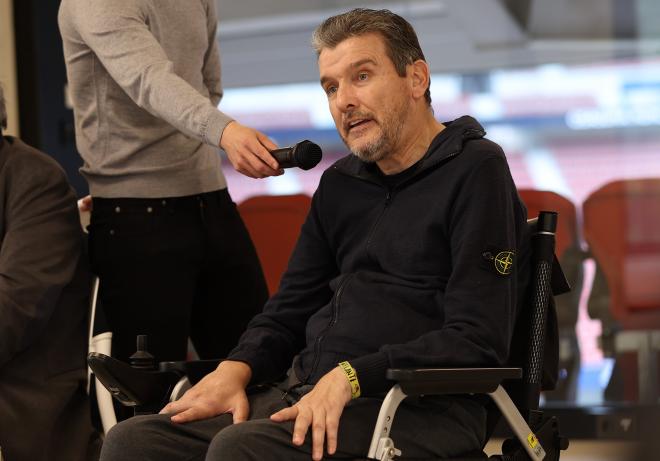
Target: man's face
point(368, 99)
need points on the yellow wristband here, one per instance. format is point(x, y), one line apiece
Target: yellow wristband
point(352, 379)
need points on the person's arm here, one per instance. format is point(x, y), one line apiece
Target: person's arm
point(276, 335)
point(479, 304)
point(211, 69)
point(272, 338)
point(40, 249)
point(118, 34)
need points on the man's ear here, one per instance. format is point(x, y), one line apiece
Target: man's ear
point(420, 78)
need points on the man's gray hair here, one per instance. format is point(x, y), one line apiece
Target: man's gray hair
point(400, 38)
point(3, 109)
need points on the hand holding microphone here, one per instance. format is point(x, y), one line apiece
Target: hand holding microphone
point(253, 154)
point(248, 151)
point(304, 155)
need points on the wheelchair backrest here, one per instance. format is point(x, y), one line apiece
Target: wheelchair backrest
point(535, 341)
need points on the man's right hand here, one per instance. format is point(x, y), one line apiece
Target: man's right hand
point(248, 150)
point(221, 391)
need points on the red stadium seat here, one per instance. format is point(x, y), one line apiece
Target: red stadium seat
point(274, 223)
point(539, 200)
point(622, 228)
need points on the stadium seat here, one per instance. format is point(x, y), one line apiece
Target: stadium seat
point(622, 229)
point(274, 223)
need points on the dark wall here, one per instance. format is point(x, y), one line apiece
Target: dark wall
point(45, 122)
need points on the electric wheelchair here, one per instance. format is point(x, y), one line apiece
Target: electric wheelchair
point(514, 390)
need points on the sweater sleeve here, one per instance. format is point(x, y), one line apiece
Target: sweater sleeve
point(211, 70)
point(479, 303)
point(118, 33)
point(40, 248)
point(276, 335)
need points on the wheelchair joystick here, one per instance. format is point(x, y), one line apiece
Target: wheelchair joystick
point(142, 359)
point(140, 384)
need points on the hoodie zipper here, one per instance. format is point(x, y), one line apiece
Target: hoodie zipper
point(389, 196)
point(446, 158)
point(388, 200)
point(333, 321)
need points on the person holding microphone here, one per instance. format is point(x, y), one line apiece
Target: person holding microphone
point(173, 256)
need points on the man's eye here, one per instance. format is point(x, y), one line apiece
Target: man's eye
point(363, 76)
point(330, 90)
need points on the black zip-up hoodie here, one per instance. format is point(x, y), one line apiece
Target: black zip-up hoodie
point(427, 272)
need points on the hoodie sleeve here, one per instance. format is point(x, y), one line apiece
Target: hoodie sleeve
point(479, 304)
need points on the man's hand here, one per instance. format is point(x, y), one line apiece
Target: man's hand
point(85, 204)
point(320, 409)
point(221, 391)
point(248, 151)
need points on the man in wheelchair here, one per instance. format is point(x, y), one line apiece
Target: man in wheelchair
point(415, 253)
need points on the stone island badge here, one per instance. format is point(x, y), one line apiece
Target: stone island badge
point(504, 262)
point(501, 261)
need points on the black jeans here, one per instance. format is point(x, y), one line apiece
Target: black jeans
point(175, 268)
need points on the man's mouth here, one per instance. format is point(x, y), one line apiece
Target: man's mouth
point(357, 123)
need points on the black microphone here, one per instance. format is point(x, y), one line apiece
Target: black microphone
point(304, 155)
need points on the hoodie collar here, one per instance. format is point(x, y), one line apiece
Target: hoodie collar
point(446, 145)
point(450, 141)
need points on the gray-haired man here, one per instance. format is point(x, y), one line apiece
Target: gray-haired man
point(409, 257)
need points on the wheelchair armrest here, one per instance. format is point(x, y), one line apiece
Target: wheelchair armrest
point(431, 381)
point(194, 370)
point(133, 386)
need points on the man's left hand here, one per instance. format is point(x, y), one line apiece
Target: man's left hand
point(321, 409)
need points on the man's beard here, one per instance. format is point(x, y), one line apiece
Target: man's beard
point(381, 147)
point(376, 150)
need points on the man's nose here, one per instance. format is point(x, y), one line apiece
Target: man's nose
point(346, 98)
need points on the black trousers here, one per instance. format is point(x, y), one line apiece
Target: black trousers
point(174, 268)
point(424, 428)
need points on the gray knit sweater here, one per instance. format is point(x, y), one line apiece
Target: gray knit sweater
point(144, 78)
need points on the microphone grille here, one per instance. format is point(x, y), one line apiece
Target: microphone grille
point(307, 154)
